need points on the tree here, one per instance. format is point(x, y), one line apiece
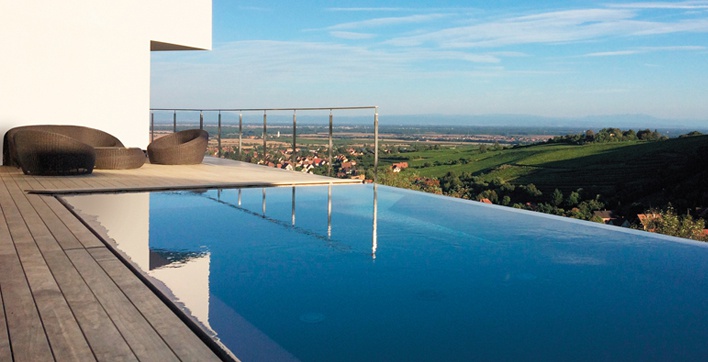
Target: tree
point(489, 194)
point(683, 226)
point(630, 135)
point(557, 197)
point(409, 180)
point(589, 136)
point(644, 134)
point(573, 199)
point(450, 183)
point(532, 191)
point(498, 182)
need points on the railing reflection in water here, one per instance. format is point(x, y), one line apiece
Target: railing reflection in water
point(327, 237)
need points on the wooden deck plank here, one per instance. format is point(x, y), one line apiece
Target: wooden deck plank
point(98, 180)
point(5, 350)
point(186, 345)
point(27, 337)
point(102, 335)
point(25, 329)
point(82, 234)
point(145, 342)
point(47, 182)
point(59, 231)
point(62, 323)
point(65, 337)
point(24, 208)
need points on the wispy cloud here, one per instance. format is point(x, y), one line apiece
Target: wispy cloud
point(405, 9)
point(353, 9)
point(612, 53)
point(388, 21)
point(644, 50)
point(245, 62)
point(680, 5)
point(552, 27)
point(351, 35)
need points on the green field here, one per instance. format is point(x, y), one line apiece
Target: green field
point(633, 167)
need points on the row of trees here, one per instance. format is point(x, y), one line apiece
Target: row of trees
point(609, 135)
point(667, 221)
point(529, 197)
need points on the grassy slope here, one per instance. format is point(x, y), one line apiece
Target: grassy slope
point(637, 169)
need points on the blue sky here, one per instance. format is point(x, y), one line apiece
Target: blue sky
point(550, 58)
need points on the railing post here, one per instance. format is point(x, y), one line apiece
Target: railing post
point(376, 143)
point(265, 133)
point(329, 166)
point(201, 120)
point(240, 135)
point(174, 122)
point(293, 159)
point(218, 135)
point(152, 127)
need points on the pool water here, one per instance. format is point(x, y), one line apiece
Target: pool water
point(364, 273)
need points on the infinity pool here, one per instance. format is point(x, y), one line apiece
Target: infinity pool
point(358, 273)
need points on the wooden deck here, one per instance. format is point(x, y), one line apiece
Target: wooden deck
point(66, 297)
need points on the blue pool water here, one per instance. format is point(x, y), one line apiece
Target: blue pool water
point(347, 273)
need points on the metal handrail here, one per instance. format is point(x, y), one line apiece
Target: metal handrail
point(265, 122)
point(264, 109)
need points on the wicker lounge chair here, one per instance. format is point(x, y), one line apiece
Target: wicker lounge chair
point(49, 153)
point(90, 136)
point(119, 158)
point(181, 148)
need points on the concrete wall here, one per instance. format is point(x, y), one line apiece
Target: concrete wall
point(87, 62)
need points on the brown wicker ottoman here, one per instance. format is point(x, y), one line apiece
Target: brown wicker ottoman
point(119, 158)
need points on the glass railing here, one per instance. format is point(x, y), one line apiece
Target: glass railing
point(266, 132)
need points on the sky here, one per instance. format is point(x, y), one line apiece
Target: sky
point(546, 58)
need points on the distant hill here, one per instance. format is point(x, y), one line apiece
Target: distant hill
point(515, 120)
point(625, 121)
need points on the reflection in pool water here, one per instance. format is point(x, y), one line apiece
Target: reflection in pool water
point(352, 273)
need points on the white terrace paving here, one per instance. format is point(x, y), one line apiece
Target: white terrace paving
point(66, 297)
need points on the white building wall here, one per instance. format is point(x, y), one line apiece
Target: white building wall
point(87, 62)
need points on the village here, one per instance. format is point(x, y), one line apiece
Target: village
point(314, 161)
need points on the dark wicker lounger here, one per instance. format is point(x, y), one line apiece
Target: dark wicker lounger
point(49, 153)
point(90, 136)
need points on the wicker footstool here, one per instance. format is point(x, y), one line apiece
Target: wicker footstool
point(119, 158)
